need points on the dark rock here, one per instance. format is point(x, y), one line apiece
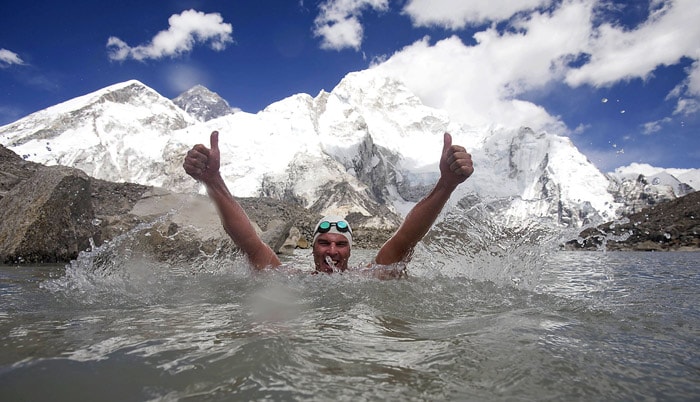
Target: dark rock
point(50, 214)
point(671, 225)
point(47, 217)
point(13, 169)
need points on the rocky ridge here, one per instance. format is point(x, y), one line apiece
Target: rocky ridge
point(50, 214)
point(667, 226)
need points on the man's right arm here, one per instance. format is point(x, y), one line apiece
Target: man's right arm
point(203, 164)
point(455, 167)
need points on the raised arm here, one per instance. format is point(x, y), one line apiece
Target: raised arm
point(455, 167)
point(203, 164)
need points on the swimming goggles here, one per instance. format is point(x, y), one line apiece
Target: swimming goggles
point(325, 226)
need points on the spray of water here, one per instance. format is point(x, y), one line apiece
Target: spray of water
point(331, 264)
point(468, 243)
point(130, 268)
point(471, 242)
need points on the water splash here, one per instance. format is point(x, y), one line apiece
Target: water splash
point(472, 243)
point(331, 264)
point(469, 243)
point(127, 270)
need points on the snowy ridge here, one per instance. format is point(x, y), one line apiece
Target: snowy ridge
point(117, 133)
point(369, 147)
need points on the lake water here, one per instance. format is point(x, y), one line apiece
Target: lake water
point(514, 325)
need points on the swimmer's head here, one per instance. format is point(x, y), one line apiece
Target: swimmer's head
point(333, 224)
point(331, 244)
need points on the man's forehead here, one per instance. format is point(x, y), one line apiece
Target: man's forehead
point(333, 237)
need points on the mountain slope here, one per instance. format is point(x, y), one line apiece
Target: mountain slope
point(104, 133)
point(369, 148)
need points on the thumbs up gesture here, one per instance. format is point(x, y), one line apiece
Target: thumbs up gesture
point(455, 163)
point(203, 163)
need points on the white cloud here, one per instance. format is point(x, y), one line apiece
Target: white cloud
point(182, 77)
point(338, 23)
point(459, 14)
point(670, 33)
point(186, 29)
point(687, 106)
point(693, 82)
point(655, 126)
point(8, 58)
point(480, 84)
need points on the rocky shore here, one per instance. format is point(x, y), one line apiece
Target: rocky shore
point(669, 226)
point(50, 214)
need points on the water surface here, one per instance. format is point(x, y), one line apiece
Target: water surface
point(560, 326)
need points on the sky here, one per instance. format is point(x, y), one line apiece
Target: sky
point(620, 78)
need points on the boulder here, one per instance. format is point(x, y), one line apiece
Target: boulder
point(187, 227)
point(48, 217)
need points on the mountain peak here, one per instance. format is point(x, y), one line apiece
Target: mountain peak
point(202, 103)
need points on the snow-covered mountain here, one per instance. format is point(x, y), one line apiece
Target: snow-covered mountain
point(115, 134)
point(203, 104)
point(640, 185)
point(368, 148)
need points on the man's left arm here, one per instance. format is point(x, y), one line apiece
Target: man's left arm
point(455, 167)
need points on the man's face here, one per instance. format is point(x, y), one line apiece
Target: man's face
point(334, 246)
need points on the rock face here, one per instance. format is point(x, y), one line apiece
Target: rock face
point(51, 214)
point(672, 225)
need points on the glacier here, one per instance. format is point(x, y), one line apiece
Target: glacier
point(369, 148)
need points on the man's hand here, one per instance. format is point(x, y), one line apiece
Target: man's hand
point(203, 163)
point(455, 163)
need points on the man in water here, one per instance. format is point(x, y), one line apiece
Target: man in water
point(332, 236)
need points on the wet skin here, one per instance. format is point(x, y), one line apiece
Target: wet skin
point(334, 246)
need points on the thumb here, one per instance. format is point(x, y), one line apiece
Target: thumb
point(448, 142)
point(214, 141)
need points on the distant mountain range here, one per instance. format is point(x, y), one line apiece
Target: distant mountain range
point(368, 148)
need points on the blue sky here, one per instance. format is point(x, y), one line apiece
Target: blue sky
point(620, 78)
